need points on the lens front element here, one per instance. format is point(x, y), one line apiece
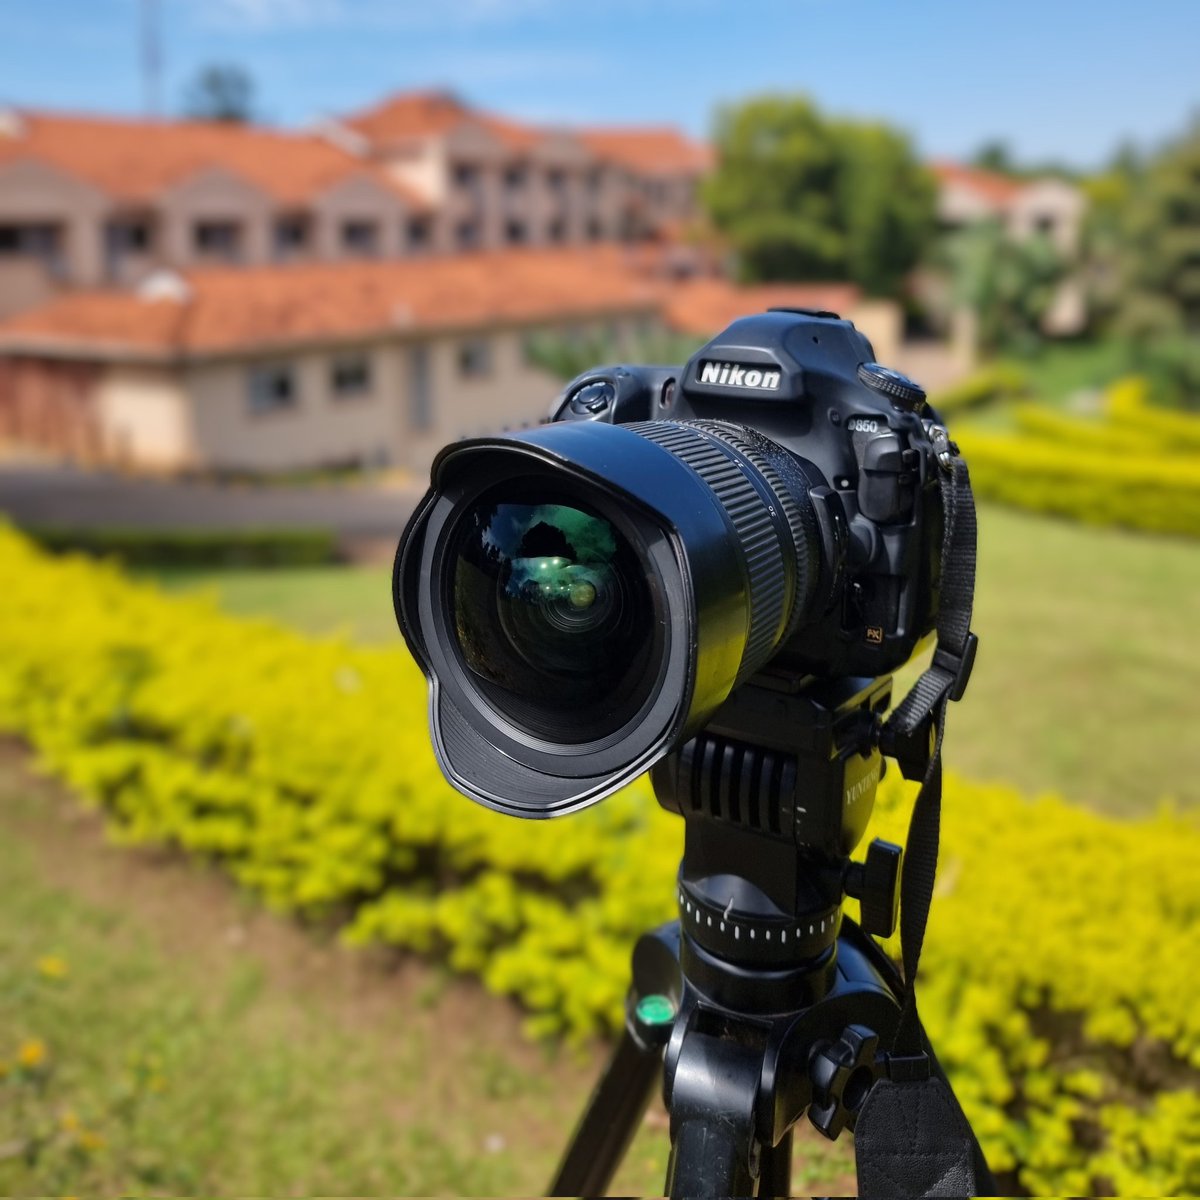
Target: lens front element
point(554, 615)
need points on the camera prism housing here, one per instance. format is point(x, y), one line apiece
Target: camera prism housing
point(584, 596)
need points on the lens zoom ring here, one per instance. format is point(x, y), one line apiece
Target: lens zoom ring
point(791, 489)
point(767, 559)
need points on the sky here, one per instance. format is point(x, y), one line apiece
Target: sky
point(1065, 80)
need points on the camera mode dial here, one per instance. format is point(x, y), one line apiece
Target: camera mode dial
point(899, 389)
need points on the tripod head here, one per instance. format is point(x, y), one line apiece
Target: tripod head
point(776, 792)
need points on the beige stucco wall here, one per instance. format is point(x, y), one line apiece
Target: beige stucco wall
point(358, 198)
point(375, 428)
point(32, 191)
point(958, 204)
point(1055, 201)
point(318, 429)
point(214, 195)
point(144, 415)
point(883, 324)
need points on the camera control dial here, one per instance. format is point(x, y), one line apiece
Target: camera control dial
point(899, 389)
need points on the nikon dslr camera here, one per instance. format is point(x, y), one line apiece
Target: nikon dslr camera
point(585, 595)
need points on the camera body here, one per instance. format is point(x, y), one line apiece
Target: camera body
point(584, 596)
point(862, 441)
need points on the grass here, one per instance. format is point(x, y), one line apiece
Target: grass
point(355, 600)
point(194, 1044)
point(1088, 671)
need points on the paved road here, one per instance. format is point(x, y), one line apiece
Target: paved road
point(33, 495)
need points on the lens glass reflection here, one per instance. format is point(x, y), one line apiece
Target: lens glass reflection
point(554, 615)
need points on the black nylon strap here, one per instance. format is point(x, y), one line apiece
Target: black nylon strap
point(929, 697)
point(911, 1137)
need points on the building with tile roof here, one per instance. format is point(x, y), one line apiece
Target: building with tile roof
point(277, 367)
point(89, 201)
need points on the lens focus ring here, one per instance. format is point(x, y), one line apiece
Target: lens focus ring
point(763, 513)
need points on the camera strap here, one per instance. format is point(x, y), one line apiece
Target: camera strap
point(911, 1137)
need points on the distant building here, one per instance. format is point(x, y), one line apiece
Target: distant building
point(497, 182)
point(91, 201)
point(1046, 206)
point(270, 368)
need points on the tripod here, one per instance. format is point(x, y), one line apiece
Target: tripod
point(762, 1002)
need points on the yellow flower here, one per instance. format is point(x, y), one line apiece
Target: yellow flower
point(69, 1121)
point(90, 1141)
point(50, 966)
point(32, 1053)
point(4, 1070)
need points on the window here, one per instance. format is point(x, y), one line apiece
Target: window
point(291, 236)
point(419, 232)
point(129, 235)
point(515, 232)
point(350, 377)
point(556, 180)
point(271, 389)
point(467, 235)
point(218, 240)
point(33, 240)
point(467, 178)
point(557, 230)
point(475, 358)
point(1045, 224)
point(515, 178)
point(420, 391)
point(595, 229)
point(360, 237)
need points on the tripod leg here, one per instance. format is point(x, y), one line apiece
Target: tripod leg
point(610, 1120)
point(775, 1171)
point(707, 1160)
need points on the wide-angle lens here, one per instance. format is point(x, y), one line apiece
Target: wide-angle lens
point(552, 613)
point(582, 596)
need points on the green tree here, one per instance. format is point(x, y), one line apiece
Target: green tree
point(800, 196)
point(994, 155)
point(221, 92)
point(1104, 236)
point(566, 355)
point(1159, 303)
point(1008, 283)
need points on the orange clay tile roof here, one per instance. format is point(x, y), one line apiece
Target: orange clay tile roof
point(134, 161)
point(703, 306)
point(654, 151)
point(991, 185)
point(409, 115)
point(238, 309)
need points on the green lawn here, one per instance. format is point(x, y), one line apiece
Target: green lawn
point(1088, 679)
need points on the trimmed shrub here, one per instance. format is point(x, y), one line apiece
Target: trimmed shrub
point(989, 385)
point(1058, 979)
point(195, 547)
point(1139, 467)
point(1156, 493)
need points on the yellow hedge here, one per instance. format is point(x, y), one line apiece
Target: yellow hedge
point(1137, 466)
point(1059, 974)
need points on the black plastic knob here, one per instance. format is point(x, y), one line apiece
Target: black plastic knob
point(842, 1074)
point(594, 397)
point(903, 392)
point(875, 884)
